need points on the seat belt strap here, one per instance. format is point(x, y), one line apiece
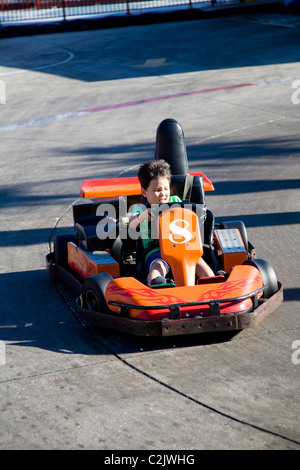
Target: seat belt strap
point(188, 185)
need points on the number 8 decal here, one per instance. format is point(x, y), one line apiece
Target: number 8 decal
point(180, 231)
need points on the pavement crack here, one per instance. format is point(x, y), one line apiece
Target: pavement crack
point(195, 400)
point(184, 395)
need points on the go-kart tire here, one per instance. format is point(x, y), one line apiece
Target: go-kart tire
point(240, 226)
point(61, 248)
point(268, 276)
point(93, 292)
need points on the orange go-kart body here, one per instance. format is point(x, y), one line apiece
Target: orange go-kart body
point(181, 246)
point(149, 304)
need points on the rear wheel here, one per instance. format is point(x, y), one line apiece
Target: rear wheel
point(93, 292)
point(268, 276)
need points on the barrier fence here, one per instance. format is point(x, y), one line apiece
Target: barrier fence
point(31, 10)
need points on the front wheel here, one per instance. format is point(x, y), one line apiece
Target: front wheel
point(93, 292)
point(268, 276)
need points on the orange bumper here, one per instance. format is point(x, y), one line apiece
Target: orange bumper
point(141, 302)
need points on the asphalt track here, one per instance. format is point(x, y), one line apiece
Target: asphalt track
point(87, 104)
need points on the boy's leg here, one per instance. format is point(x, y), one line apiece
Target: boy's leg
point(158, 268)
point(202, 269)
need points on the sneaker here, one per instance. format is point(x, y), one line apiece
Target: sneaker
point(158, 280)
point(220, 273)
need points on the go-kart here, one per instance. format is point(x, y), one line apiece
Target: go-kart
point(101, 259)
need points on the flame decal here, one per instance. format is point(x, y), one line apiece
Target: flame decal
point(130, 291)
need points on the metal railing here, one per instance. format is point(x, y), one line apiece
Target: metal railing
point(12, 11)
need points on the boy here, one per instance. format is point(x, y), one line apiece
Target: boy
point(154, 177)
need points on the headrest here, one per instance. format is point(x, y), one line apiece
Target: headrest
point(170, 146)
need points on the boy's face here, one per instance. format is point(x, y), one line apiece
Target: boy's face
point(158, 191)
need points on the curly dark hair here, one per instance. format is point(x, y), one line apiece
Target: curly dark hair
point(153, 169)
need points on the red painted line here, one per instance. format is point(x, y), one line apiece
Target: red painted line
point(60, 117)
point(165, 97)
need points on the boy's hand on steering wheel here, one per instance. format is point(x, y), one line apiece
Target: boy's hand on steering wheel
point(154, 211)
point(146, 215)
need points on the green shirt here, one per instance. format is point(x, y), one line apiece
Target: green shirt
point(145, 228)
